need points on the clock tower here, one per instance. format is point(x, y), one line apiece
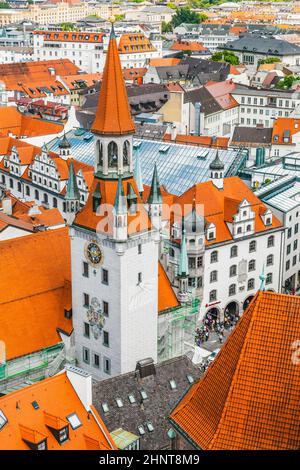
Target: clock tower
point(114, 246)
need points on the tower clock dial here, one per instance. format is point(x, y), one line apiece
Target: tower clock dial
point(94, 253)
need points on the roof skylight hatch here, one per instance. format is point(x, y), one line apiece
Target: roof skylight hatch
point(74, 421)
point(3, 420)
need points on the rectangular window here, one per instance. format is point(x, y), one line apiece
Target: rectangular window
point(86, 355)
point(104, 276)
point(86, 331)
point(106, 365)
point(139, 249)
point(85, 270)
point(105, 338)
point(86, 300)
point(96, 361)
point(105, 308)
point(140, 277)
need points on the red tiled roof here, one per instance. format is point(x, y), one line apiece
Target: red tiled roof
point(56, 399)
point(188, 46)
point(71, 36)
point(284, 129)
point(12, 121)
point(35, 290)
point(249, 397)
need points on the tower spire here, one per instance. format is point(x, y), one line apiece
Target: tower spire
point(155, 193)
point(72, 187)
point(113, 113)
point(120, 201)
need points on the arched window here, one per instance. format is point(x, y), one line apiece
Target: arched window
point(126, 152)
point(54, 202)
point(27, 191)
point(270, 260)
point(19, 187)
point(36, 194)
point(252, 246)
point(112, 151)
point(251, 265)
point(271, 241)
point(11, 183)
point(99, 152)
point(232, 289)
point(45, 198)
point(269, 278)
point(233, 251)
point(251, 284)
point(239, 230)
point(248, 228)
point(232, 270)
point(213, 276)
point(3, 179)
point(214, 257)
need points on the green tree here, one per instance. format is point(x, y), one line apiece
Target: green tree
point(119, 17)
point(5, 5)
point(166, 27)
point(225, 56)
point(186, 15)
point(287, 81)
point(67, 27)
point(269, 60)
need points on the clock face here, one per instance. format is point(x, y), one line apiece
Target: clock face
point(94, 253)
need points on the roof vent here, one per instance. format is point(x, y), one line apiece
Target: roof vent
point(145, 367)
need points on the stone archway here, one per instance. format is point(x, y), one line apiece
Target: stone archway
point(212, 315)
point(231, 311)
point(247, 302)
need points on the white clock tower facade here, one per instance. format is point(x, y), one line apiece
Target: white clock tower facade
point(114, 249)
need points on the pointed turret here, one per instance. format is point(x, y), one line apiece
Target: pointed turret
point(97, 196)
point(72, 197)
point(113, 113)
point(72, 187)
point(155, 193)
point(120, 201)
point(138, 173)
point(217, 171)
point(64, 146)
point(131, 199)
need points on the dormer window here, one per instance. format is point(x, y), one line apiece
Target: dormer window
point(3, 419)
point(211, 232)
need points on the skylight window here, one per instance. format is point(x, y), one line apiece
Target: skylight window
point(131, 398)
point(74, 421)
point(141, 430)
point(3, 419)
point(144, 394)
point(173, 384)
point(150, 426)
point(105, 407)
point(190, 378)
point(35, 405)
point(119, 402)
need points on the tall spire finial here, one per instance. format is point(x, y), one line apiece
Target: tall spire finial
point(262, 277)
point(155, 193)
point(138, 172)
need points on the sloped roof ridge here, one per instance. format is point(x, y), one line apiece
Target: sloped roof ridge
point(255, 302)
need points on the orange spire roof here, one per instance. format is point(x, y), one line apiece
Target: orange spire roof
point(113, 112)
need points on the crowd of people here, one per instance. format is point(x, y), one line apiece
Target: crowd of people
point(212, 325)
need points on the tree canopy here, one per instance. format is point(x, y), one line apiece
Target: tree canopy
point(287, 81)
point(186, 15)
point(225, 56)
point(269, 60)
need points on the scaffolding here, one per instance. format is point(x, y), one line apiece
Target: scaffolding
point(176, 331)
point(19, 372)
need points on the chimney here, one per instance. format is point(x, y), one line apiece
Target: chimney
point(7, 205)
point(173, 132)
point(145, 368)
point(82, 384)
point(34, 210)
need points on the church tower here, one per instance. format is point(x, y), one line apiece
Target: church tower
point(114, 251)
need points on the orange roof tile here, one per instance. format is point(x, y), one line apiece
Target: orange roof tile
point(108, 188)
point(284, 129)
point(71, 36)
point(33, 291)
point(166, 296)
point(74, 81)
point(220, 142)
point(249, 397)
point(56, 399)
point(188, 46)
point(113, 114)
point(219, 206)
point(12, 121)
point(133, 43)
point(164, 62)
point(15, 74)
